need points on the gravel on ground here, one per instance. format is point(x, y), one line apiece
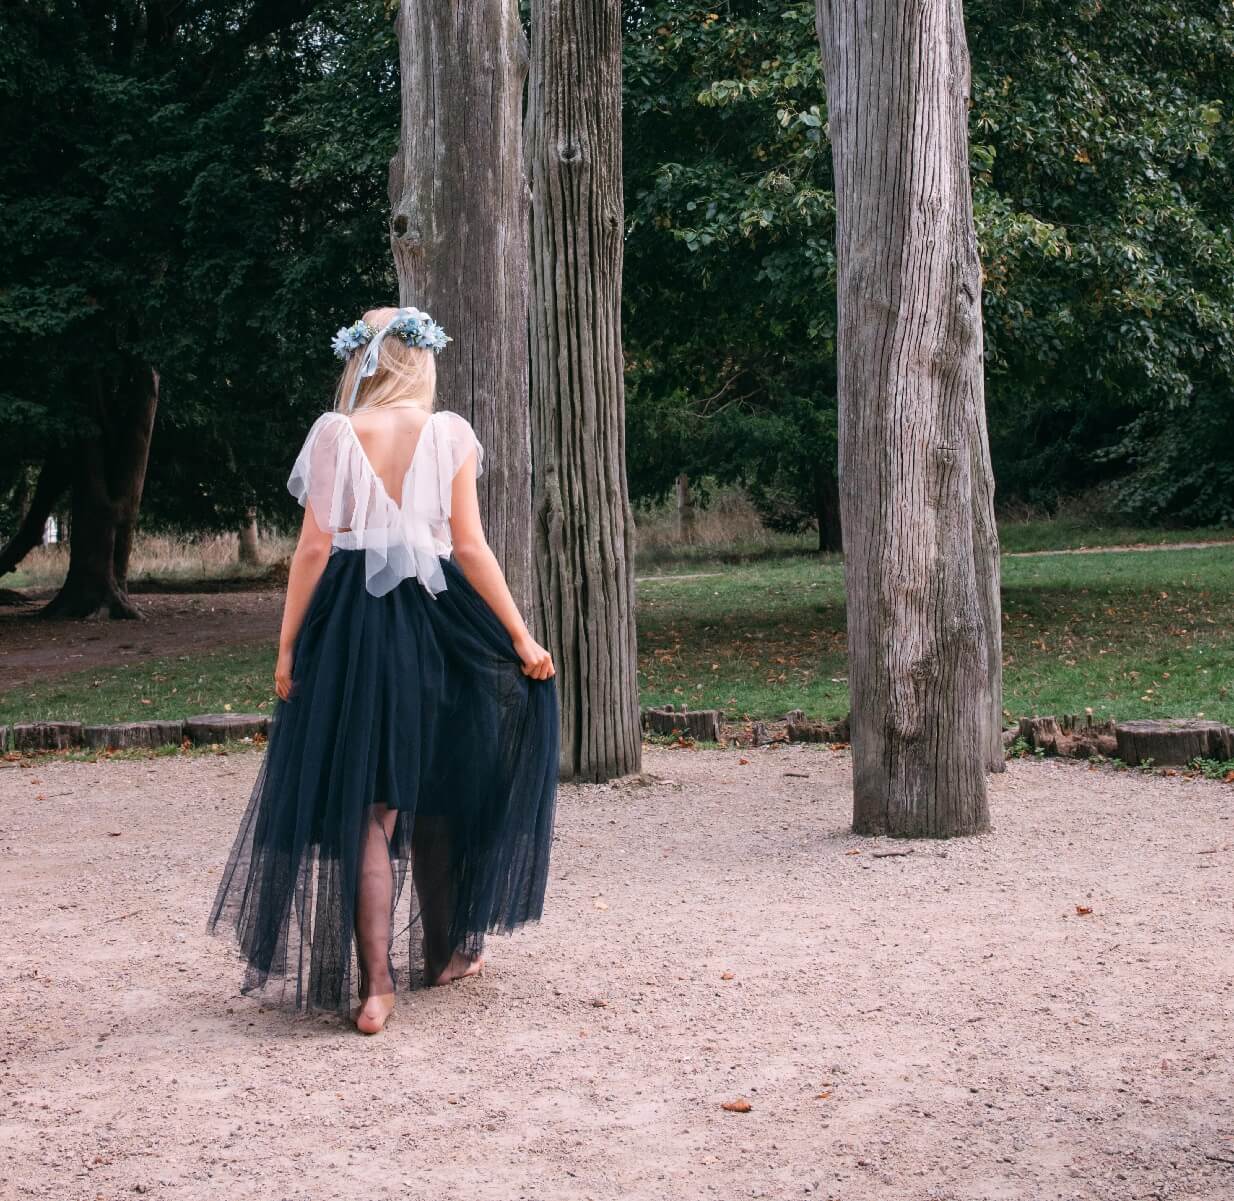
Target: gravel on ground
point(1045, 1011)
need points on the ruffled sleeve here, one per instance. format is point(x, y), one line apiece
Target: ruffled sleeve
point(447, 440)
point(456, 440)
point(320, 479)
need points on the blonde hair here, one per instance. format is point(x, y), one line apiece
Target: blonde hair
point(404, 373)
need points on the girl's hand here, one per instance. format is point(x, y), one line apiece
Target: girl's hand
point(282, 675)
point(537, 662)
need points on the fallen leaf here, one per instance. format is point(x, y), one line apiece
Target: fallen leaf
point(1229, 777)
point(852, 852)
point(113, 833)
point(600, 903)
point(726, 975)
point(740, 1105)
point(1083, 910)
point(743, 760)
point(822, 1096)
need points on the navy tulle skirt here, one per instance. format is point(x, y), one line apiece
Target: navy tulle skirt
point(415, 703)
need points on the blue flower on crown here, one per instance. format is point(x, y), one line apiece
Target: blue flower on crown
point(412, 327)
point(415, 328)
point(351, 337)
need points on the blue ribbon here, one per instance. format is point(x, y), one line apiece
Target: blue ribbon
point(368, 365)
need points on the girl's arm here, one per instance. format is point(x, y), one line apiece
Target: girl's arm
point(478, 563)
point(307, 564)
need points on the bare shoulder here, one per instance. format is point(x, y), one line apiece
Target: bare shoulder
point(393, 422)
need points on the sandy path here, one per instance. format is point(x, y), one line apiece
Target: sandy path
point(974, 1036)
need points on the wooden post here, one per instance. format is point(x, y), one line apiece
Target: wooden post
point(583, 522)
point(458, 230)
point(915, 489)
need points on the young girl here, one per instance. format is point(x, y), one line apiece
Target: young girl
point(416, 723)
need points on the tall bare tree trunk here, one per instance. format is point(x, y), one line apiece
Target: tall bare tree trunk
point(54, 478)
point(458, 200)
point(915, 486)
point(583, 522)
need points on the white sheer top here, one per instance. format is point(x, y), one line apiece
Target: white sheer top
point(401, 536)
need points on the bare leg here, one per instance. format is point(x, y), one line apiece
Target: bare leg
point(432, 869)
point(374, 905)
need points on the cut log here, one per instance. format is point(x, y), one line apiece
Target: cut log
point(702, 725)
point(130, 734)
point(225, 727)
point(46, 735)
point(1172, 740)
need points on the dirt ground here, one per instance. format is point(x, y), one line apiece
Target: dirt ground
point(942, 1026)
point(32, 649)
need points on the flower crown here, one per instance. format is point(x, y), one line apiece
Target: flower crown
point(411, 327)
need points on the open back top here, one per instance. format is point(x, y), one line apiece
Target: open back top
point(401, 536)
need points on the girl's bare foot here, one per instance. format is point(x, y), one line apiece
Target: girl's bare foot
point(374, 1013)
point(460, 967)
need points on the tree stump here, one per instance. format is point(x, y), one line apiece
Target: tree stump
point(801, 730)
point(703, 725)
point(1072, 735)
point(46, 735)
point(1173, 740)
point(224, 727)
point(130, 734)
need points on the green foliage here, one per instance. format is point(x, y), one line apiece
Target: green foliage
point(730, 268)
point(210, 201)
point(1101, 160)
point(202, 187)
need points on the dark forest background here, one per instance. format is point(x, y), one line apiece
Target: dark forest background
point(201, 187)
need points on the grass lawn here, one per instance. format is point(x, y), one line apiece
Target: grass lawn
point(237, 679)
point(1129, 635)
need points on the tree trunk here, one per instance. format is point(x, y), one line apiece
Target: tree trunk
point(458, 202)
point(583, 521)
point(53, 480)
point(684, 514)
point(827, 510)
point(109, 474)
point(920, 566)
point(248, 538)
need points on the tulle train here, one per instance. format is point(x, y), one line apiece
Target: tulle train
point(403, 702)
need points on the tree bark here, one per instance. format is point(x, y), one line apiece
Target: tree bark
point(109, 474)
point(684, 513)
point(915, 490)
point(53, 480)
point(458, 201)
point(249, 554)
point(583, 521)
point(827, 510)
